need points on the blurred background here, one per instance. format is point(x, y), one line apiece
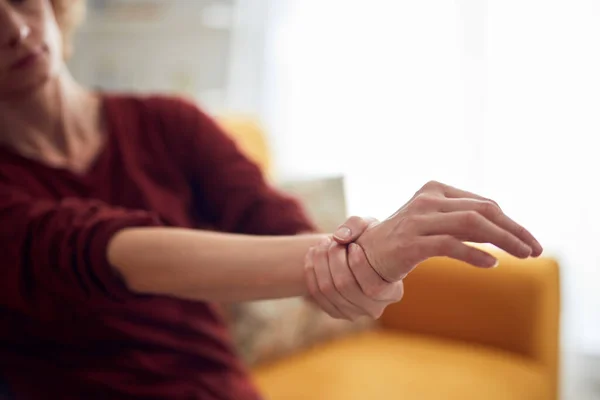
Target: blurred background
point(499, 97)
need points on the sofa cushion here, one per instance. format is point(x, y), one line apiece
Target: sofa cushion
point(390, 365)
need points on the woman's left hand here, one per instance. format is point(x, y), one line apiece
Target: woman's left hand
point(341, 280)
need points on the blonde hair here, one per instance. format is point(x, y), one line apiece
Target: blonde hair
point(69, 15)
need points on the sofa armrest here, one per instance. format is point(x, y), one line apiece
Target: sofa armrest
point(514, 307)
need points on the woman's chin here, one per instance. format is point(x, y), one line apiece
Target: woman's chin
point(25, 85)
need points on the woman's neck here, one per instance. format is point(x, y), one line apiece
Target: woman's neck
point(58, 124)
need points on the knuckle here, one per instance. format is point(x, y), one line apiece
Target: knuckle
point(432, 185)
point(490, 208)
point(424, 201)
point(494, 203)
point(470, 219)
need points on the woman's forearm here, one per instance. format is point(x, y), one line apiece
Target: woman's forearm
point(203, 265)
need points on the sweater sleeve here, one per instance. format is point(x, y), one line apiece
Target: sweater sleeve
point(229, 187)
point(54, 253)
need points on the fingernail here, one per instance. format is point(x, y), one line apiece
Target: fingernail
point(496, 263)
point(343, 233)
point(526, 250)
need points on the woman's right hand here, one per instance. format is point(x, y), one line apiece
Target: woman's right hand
point(436, 222)
point(341, 281)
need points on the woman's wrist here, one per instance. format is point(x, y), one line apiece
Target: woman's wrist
point(371, 246)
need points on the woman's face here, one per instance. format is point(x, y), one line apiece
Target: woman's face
point(30, 46)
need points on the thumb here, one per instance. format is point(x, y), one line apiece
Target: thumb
point(351, 230)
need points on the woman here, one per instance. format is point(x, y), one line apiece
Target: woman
point(124, 217)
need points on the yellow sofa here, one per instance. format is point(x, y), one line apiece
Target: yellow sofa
point(460, 333)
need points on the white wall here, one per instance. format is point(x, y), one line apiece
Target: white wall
point(542, 138)
point(185, 49)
